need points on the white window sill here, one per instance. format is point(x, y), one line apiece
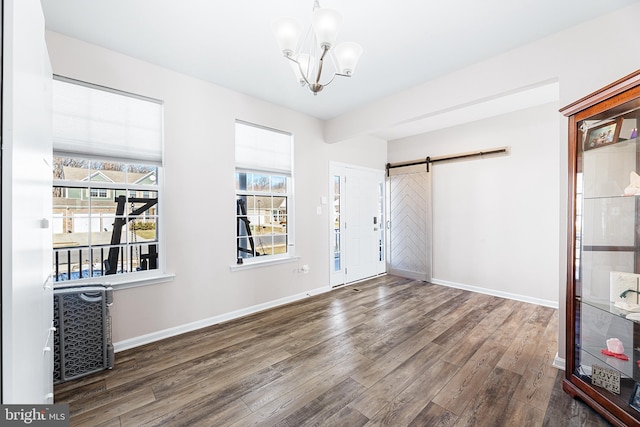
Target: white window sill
point(262, 263)
point(118, 282)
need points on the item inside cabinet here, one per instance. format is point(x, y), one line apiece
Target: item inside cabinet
point(624, 290)
point(603, 134)
point(634, 185)
point(634, 401)
point(606, 378)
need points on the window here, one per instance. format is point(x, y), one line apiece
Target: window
point(99, 193)
point(263, 193)
point(337, 224)
point(106, 182)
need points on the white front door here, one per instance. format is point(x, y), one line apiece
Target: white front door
point(356, 224)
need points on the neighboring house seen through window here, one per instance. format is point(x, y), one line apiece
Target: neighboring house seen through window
point(106, 182)
point(264, 189)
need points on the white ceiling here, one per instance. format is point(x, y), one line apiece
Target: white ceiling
point(230, 43)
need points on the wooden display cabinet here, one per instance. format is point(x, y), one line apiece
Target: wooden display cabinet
point(603, 274)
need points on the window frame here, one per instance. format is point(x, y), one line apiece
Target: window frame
point(260, 195)
point(289, 194)
point(130, 278)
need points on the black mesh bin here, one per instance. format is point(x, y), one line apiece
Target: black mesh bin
point(82, 340)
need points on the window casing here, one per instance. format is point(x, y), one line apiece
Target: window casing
point(107, 184)
point(262, 203)
point(102, 228)
point(264, 194)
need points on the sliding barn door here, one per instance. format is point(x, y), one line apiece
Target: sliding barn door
point(409, 225)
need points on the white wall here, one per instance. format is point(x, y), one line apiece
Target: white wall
point(571, 57)
point(27, 304)
point(495, 222)
point(199, 208)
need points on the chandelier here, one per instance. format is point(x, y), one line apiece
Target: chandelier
point(308, 56)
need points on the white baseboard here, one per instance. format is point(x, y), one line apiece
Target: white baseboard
point(523, 298)
point(170, 332)
point(167, 333)
point(559, 362)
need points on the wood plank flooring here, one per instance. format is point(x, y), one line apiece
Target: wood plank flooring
point(388, 351)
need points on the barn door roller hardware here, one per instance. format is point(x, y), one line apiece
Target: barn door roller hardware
point(427, 160)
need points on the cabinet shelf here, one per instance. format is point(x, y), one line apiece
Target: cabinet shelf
point(612, 197)
point(623, 367)
point(606, 307)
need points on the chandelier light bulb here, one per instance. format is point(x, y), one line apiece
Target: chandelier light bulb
point(287, 31)
point(326, 26)
point(347, 55)
point(302, 67)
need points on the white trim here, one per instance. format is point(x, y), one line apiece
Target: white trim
point(85, 185)
point(121, 281)
point(170, 332)
point(336, 278)
point(105, 88)
point(262, 263)
point(352, 166)
point(508, 295)
point(142, 281)
point(559, 363)
point(355, 282)
point(290, 228)
point(189, 327)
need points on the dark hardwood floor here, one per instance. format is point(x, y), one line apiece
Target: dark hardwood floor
point(388, 351)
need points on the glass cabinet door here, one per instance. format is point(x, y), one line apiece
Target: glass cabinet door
point(607, 253)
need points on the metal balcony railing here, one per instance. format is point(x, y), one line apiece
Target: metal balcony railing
point(80, 262)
